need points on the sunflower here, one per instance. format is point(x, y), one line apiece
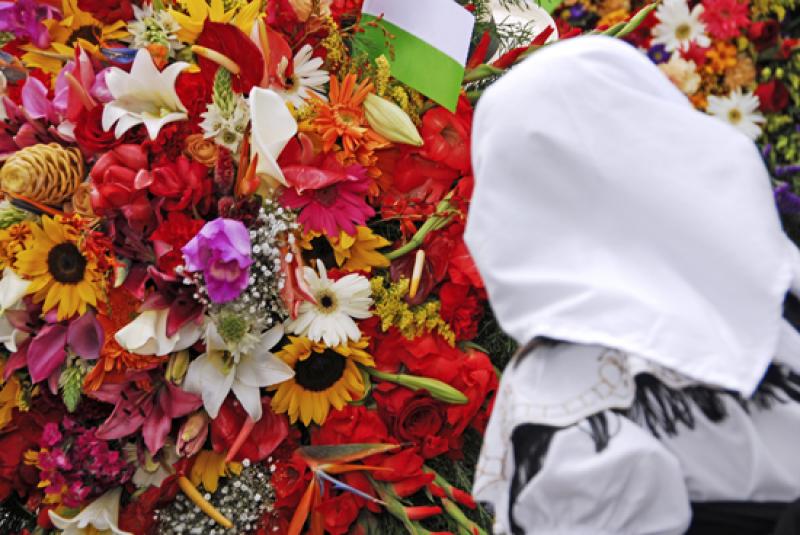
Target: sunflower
point(194, 13)
point(63, 272)
point(358, 252)
point(324, 377)
point(342, 119)
point(76, 26)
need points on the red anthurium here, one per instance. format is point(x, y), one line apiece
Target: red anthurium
point(231, 42)
point(266, 435)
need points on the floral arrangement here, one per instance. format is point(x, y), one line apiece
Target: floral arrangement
point(235, 296)
point(738, 60)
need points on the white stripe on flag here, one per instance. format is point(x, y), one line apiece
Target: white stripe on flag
point(441, 23)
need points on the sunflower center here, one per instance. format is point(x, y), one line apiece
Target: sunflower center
point(683, 31)
point(89, 33)
point(66, 263)
point(326, 196)
point(320, 248)
point(735, 116)
point(320, 371)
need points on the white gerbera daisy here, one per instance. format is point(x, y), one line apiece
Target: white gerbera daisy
point(330, 319)
point(738, 109)
point(678, 27)
point(307, 78)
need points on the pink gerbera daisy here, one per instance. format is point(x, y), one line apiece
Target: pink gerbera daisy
point(330, 197)
point(725, 19)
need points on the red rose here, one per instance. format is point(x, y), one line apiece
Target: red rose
point(181, 184)
point(788, 46)
point(269, 432)
point(108, 12)
point(764, 34)
point(414, 417)
point(773, 96)
point(461, 309)
point(339, 512)
point(447, 136)
point(89, 133)
point(117, 187)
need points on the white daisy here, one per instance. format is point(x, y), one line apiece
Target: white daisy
point(307, 78)
point(740, 110)
point(678, 27)
point(330, 319)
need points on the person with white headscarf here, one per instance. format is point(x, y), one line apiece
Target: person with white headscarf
point(632, 247)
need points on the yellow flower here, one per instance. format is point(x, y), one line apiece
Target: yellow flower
point(76, 26)
point(63, 273)
point(9, 399)
point(13, 240)
point(360, 252)
point(324, 377)
point(209, 467)
point(195, 13)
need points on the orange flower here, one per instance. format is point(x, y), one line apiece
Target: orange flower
point(721, 56)
point(114, 360)
point(342, 120)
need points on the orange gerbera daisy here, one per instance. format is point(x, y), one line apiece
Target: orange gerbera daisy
point(342, 118)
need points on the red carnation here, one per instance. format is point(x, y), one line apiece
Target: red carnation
point(195, 92)
point(773, 95)
point(725, 19)
point(461, 308)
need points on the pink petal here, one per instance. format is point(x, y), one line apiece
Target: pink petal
point(303, 177)
point(46, 352)
point(17, 360)
point(126, 419)
point(34, 99)
point(176, 402)
point(155, 430)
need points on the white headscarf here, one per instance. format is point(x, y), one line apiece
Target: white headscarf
point(608, 211)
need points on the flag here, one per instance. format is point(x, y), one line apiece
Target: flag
point(428, 45)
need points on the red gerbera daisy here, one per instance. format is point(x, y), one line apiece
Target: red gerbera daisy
point(725, 19)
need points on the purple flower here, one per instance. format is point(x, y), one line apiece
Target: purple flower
point(24, 18)
point(788, 202)
point(221, 251)
point(658, 54)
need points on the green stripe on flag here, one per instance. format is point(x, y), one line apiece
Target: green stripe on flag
point(415, 62)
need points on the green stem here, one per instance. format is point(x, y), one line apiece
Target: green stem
point(439, 220)
point(636, 20)
point(461, 519)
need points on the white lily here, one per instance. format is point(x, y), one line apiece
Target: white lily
point(147, 334)
point(12, 289)
point(145, 95)
point(272, 128)
point(102, 515)
point(218, 371)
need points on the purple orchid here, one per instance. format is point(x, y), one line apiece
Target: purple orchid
point(24, 18)
point(221, 251)
point(150, 409)
point(45, 351)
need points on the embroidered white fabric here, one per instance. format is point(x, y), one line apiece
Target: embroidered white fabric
point(638, 484)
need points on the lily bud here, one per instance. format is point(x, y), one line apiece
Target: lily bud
point(193, 434)
point(178, 364)
point(389, 120)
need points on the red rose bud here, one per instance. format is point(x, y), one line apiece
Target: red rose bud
point(773, 95)
point(422, 512)
point(764, 34)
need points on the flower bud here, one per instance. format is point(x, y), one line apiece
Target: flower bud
point(193, 434)
point(178, 364)
point(422, 512)
point(437, 389)
point(389, 120)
